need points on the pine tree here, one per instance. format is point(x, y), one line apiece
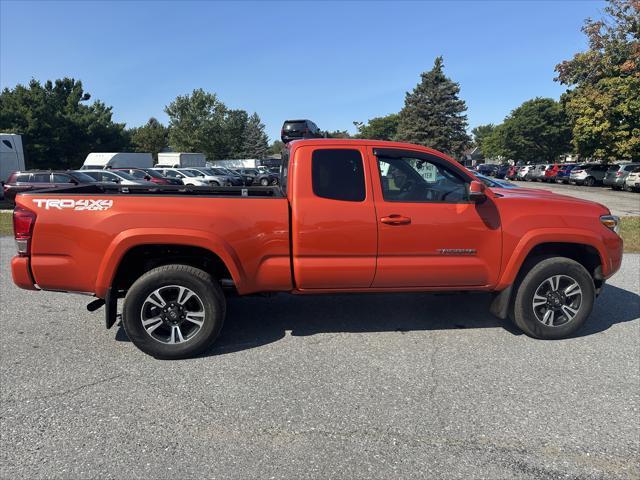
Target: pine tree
point(433, 115)
point(256, 142)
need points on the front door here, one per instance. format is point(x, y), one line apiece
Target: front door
point(429, 233)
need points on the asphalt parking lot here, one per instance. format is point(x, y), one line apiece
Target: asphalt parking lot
point(378, 386)
point(619, 202)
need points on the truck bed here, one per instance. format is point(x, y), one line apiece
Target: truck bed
point(81, 234)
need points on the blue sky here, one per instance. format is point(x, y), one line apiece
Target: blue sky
point(332, 62)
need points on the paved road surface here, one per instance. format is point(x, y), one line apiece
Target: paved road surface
point(380, 386)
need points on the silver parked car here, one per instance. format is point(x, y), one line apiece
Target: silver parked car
point(213, 176)
point(588, 174)
point(616, 175)
point(536, 174)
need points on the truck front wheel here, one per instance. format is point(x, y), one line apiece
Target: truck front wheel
point(554, 299)
point(174, 311)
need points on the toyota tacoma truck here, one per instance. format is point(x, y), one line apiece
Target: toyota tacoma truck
point(348, 216)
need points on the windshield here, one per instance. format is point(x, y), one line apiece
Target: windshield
point(83, 177)
point(153, 173)
point(126, 176)
point(211, 171)
point(218, 171)
point(190, 173)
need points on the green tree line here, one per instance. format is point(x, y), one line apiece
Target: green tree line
point(61, 127)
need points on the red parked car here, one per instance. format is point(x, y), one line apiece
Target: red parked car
point(512, 172)
point(550, 173)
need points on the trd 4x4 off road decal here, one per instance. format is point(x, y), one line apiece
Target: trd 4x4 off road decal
point(85, 204)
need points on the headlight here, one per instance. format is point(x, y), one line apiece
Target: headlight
point(612, 222)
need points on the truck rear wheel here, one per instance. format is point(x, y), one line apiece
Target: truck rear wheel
point(554, 299)
point(174, 311)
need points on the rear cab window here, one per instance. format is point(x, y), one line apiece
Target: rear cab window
point(338, 174)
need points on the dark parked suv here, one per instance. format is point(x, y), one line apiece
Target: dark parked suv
point(297, 129)
point(258, 178)
point(19, 182)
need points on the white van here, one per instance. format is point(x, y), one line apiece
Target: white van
point(181, 159)
point(117, 160)
point(11, 155)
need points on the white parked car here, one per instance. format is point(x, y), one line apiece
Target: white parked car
point(523, 171)
point(633, 180)
point(188, 178)
point(115, 176)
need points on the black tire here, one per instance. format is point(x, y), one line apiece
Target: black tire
point(208, 293)
point(589, 182)
point(523, 311)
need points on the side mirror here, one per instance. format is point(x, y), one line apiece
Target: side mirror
point(476, 192)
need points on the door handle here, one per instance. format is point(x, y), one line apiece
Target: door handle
point(395, 219)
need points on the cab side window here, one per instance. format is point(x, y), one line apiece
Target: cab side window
point(418, 180)
point(338, 174)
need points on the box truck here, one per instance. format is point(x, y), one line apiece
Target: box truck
point(181, 159)
point(11, 155)
point(118, 160)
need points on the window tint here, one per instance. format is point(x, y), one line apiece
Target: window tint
point(41, 178)
point(8, 144)
point(23, 177)
point(338, 174)
point(61, 178)
point(419, 180)
point(138, 174)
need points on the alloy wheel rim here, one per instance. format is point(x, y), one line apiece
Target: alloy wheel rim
point(557, 300)
point(172, 314)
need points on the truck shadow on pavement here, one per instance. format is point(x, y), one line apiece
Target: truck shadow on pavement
point(255, 321)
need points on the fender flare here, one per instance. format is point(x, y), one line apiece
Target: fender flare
point(540, 236)
point(128, 239)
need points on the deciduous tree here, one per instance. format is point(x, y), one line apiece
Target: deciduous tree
point(603, 104)
point(379, 128)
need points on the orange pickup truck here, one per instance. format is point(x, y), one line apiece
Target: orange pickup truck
point(348, 216)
